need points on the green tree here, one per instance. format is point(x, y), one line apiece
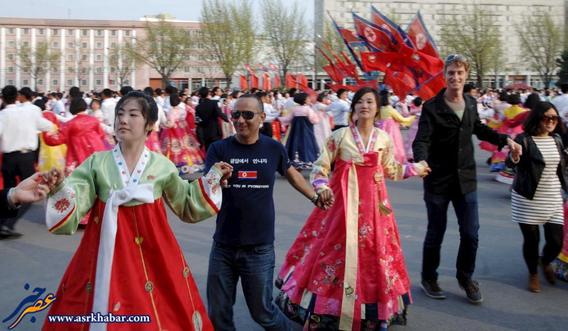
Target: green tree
point(163, 47)
point(121, 62)
point(541, 44)
point(476, 37)
point(285, 32)
point(562, 62)
point(228, 34)
point(37, 62)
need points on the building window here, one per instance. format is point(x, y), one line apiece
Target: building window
point(113, 33)
point(83, 70)
point(84, 33)
point(127, 33)
point(126, 82)
point(55, 44)
point(40, 32)
point(70, 70)
point(69, 82)
point(186, 69)
point(84, 57)
point(99, 70)
point(10, 82)
point(70, 57)
point(11, 57)
point(55, 32)
point(12, 43)
point(25, 82)
point(54, 82)
point(69, 32)
point(99, 45)
point(84, 82)
point(70, 44)
point(99, 57)
point(113, 44)
point(11, 31)
point(26, 31)
point(99, 33)
point(111, 82)
point(10, 70)
point(98, 82)
point(84, 45)
point(40, 82)
point(26, 44)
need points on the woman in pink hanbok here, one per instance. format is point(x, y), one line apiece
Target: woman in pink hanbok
point(390, 121)
point(416, 110)
point(346, 270)
point(322, 129)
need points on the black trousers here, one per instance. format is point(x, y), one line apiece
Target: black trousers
point(16, 164)
point(551, 249)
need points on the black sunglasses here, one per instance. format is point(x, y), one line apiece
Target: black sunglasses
point(550, 119)
point(246, 114)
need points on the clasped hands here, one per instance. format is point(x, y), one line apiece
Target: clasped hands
point(516, 150)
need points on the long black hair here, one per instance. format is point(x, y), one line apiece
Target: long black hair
point(532, 123)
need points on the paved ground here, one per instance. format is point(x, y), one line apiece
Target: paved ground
point(39, 258)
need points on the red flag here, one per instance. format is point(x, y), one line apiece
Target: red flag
point(393, 29)
point(372, 61)
point(376, 36)
point(244, 83)
point(277, 81)
point(253, 81)
point(266, 86)
point(401, 82)
point(290, 81)
point(432, 86)
point(333, 73)
point(349, 36)
point(302, 80)
point(420, 36)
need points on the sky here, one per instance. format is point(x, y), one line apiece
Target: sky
point(116, 9)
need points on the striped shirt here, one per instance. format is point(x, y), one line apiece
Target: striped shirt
point(546, 206)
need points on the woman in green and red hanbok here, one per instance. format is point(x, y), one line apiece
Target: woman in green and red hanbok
point(346, 270)
point(128, 261)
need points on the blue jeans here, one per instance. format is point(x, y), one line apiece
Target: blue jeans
point(465, 206)
point(254, 265)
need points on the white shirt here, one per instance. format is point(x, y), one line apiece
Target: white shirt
point(107, 107)
point(271, 113)
point(59, 107)
point(339, 110)
point(561, 103)
point(19, 127)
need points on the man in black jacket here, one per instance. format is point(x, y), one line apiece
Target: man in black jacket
point(208, 112)
point(444, 141)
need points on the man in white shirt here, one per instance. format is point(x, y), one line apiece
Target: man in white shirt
point(107, 107)
point(340, 110)
point(269, 111)
point(561, 102)
point(18, 141)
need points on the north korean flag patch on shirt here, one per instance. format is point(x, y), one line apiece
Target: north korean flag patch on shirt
point(247, 175)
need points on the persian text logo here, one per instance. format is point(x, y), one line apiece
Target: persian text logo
point(31, 304)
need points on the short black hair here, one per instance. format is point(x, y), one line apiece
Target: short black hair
point(360, 93)
point(203, 92)
point(384, 94)
point(107, 93)
point(253, 96)
point(9, 94)
point(125, 89)
point(301, 98)
point(77, 105)
point(417, 101)
point(533, 120)
point(26, 92)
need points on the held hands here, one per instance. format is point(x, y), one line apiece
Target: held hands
point(30, 190)
point(516, 150)
point(423, 169)
point(52, 179)
point(226, 170)
point(325, 199)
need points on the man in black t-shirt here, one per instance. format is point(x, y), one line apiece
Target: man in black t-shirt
point(243, 244)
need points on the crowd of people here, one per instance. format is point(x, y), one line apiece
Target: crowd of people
point(109, 162)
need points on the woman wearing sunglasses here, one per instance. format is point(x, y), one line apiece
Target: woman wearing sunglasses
point(536, 198)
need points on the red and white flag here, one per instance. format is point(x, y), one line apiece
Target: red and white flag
point(247, 175)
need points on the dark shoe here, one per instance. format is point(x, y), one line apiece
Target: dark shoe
point(6, 233)
point(549, 274)
point(471, 288)
point(432, 289)
point(534, 284)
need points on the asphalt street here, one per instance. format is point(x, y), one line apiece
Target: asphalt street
point(39, 259)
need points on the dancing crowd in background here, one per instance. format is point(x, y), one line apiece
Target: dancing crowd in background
point(108, 162)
